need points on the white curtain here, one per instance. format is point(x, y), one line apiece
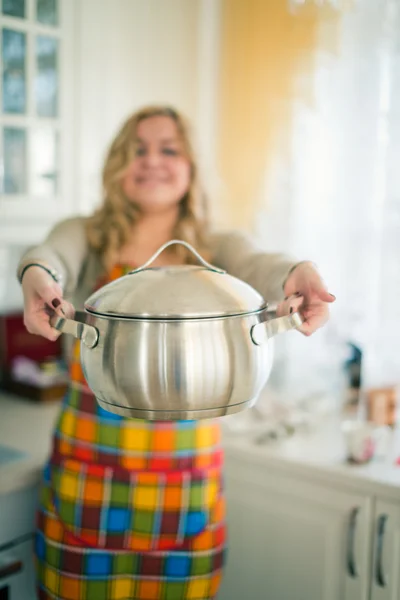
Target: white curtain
point(337, 202)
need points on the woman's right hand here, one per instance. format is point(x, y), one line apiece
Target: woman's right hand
point(43, 298)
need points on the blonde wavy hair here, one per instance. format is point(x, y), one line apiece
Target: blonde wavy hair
point(110, 227)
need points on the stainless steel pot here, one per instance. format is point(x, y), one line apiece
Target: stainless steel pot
point(177, 342)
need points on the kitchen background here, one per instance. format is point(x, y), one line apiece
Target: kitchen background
point(294, 106)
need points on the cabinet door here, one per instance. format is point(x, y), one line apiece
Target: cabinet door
point(385, 571)
point(17, 574)
point(293, 539)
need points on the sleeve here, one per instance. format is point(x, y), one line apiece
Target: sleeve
point(64, 250)
point(266, 272)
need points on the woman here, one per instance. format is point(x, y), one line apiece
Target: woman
point(109, 479)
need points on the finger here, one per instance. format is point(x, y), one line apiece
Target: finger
point(67, 309)
point(52, 295)
point(49, 332)
point(56, 303)
point(307, 280)
point(314, 321)
point(323, 294)
point(318, 287)
point(39, 325)
point(289, 305)
point(37, 319)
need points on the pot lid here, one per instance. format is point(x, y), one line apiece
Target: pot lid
point(175, 292)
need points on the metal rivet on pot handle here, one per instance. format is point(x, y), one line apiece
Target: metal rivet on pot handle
point(87, 333)
point(182, 243)
point(261, 332)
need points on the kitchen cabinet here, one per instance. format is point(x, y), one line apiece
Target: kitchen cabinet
point(298, 538)
point(17, 574)
point(36, 113)
point(17, 518)
point(385, 571)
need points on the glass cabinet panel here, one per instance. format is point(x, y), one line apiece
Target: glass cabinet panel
point(46, 88)
point(14, 71)
point(14, 8)
point(47, 12)
point(15, 160)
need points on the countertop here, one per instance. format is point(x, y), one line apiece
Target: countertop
point(26, 426)
point(321, 454)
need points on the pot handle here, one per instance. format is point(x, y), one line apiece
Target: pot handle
point(261, 332)
point(87, 333)
point(189, 247)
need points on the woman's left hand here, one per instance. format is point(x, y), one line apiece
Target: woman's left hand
point(305, 281)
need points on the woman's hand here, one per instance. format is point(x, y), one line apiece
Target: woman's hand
point(43, 298)
point(306, 283)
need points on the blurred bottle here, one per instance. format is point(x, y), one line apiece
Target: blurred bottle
point(353, 379)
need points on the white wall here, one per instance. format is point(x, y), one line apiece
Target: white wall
point(133, 53)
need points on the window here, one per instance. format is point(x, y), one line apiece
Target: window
point(33, 107)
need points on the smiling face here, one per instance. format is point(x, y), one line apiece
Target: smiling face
point(160, 174)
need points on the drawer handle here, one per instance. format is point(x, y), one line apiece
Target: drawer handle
point(351, 561)
point(10, 569)
point(379, 574)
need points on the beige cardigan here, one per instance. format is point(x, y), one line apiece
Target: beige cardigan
point(66, 250)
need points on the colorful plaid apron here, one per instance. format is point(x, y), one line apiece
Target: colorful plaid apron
point(129, 509)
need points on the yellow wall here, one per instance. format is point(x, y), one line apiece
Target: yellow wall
point(265, 48)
